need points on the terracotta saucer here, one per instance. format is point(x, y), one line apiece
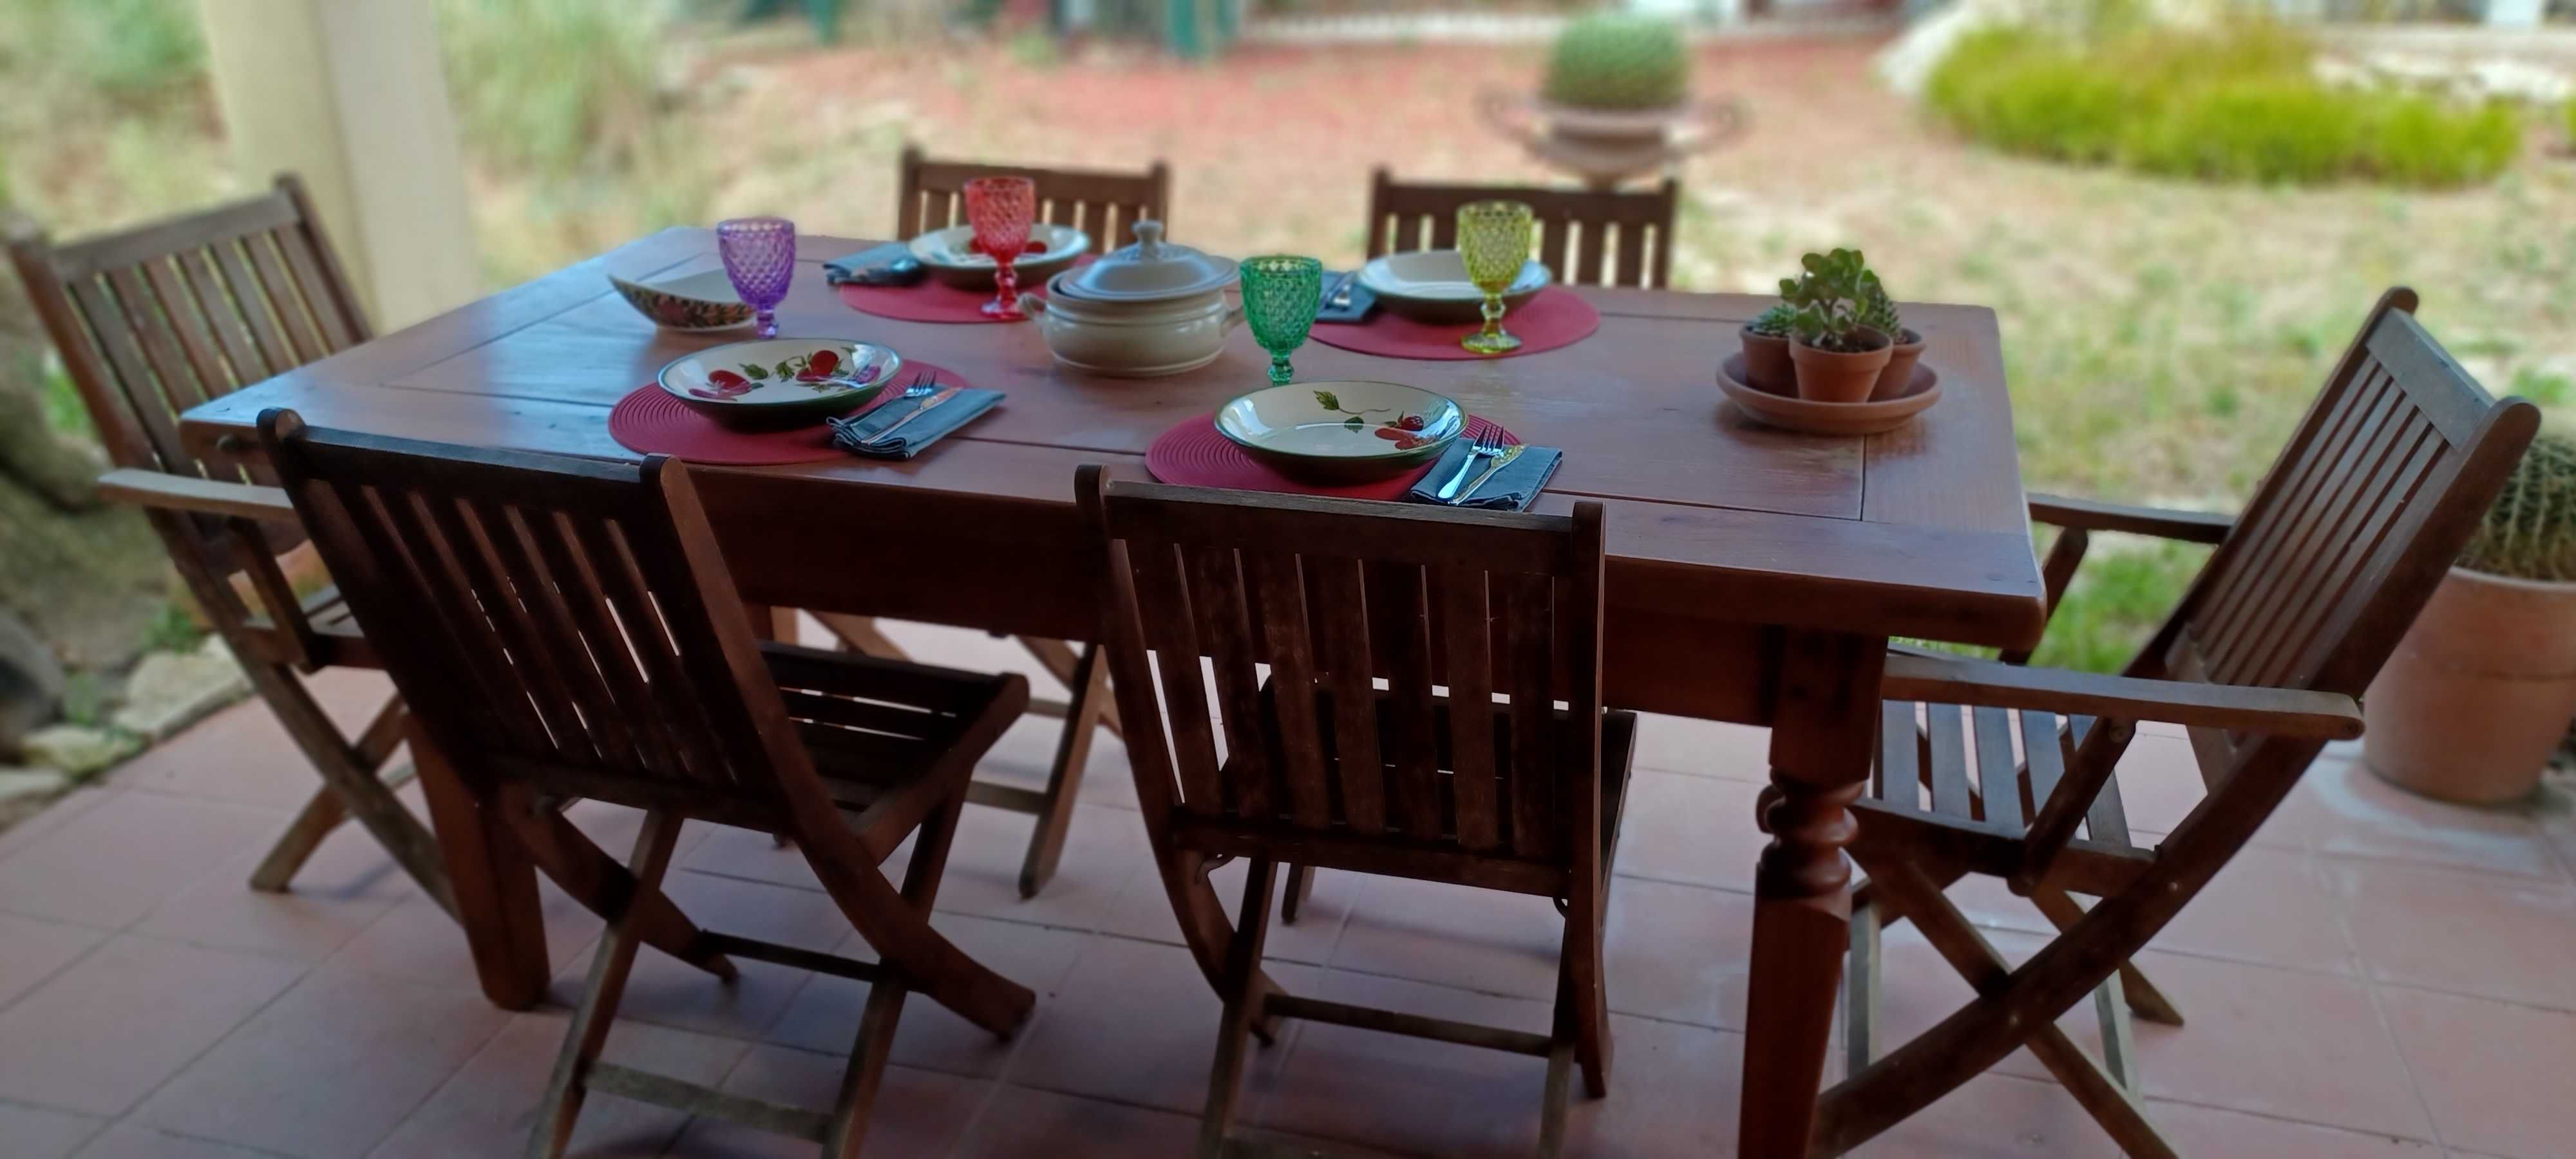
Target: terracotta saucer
point(1828, 418)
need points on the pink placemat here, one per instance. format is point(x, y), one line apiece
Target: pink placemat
point(1192, 454)
point(1556, 317)
point(932, 301)
point(649, 421)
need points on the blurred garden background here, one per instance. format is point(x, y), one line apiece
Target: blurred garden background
point(2180, 211)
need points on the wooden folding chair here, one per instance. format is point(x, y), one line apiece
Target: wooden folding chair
point(2304, 598)
point(1594, 237)
point(930, 195)
point(564, 628)
point(1322, 768)
point(158, 318)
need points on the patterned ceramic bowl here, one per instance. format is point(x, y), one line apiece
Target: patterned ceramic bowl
point(953, 260)
point(780, 382)
point(699, 301)
point(1342, 432)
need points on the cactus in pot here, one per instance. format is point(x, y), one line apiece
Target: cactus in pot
point(1766, 351)
point(1877, 311)
point(1618, 62)
point(1615, 102)
point(2480, 692)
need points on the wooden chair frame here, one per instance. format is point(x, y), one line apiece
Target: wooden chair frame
point(2301, 602)
point(157, 318)
point(1576, 227)
point(1323, 768)
point(931, 194)
point(563, 628)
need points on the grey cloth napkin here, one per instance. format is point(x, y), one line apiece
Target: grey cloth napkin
point(851, 434)
point(862, 267)
point(1362, 301)
point(1511, 489)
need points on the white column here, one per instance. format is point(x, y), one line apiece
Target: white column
point(348, 94)
point(2514, 13)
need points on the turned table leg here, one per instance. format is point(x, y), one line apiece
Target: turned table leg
point(1824, 725)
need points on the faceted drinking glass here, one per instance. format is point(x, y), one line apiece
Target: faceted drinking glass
point(760, 257)
point(1494, 239)
point(1280, 295)
point(1002, 209)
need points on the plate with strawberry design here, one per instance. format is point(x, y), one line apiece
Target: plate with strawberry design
point(1342, 431)
point(780, 382)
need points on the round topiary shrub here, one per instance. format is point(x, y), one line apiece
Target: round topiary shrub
point(1612, 61)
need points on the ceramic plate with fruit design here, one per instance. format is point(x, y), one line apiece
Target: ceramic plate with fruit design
point(1342, 431)
point(953, 259)
point(780, 382)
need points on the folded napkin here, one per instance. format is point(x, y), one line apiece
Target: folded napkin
point(875, 266)
point(1362, 301)
point(851, 434)
point(1511, 489)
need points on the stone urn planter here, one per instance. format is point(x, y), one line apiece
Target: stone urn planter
point(1616, 103)
point(2480, 691)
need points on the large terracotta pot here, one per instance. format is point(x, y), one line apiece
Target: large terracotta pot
point(2479, 692)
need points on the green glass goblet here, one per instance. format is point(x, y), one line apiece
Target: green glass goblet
point(1494, 241)
point(1280, 295)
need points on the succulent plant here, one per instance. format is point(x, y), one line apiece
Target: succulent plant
point(1614, 61)
point(2530, 532)
point(1775, 322)
point(1877, 310)
point(1826, 301)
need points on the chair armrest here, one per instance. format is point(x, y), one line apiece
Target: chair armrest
point(2163, 523)
point(2237, 708)
point(202, 496)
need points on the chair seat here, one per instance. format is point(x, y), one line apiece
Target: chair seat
point(1952, 779)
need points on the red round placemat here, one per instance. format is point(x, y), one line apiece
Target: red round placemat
point(1192, 454)
point(931, 301)
point(649, 421)
point(1556, 317)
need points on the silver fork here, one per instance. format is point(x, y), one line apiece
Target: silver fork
point(923, 385)
point(1486, 446)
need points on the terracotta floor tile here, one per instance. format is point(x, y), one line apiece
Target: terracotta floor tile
point(54, 816)
point(741, 853)
point(917, 1112)
point(1455, 935)
point(100, 1038)
point(1673, 1092)
point(128, 1141)
point(1735, 752)
point(2215, 1134)
point(1025, 757)
point(417, 941)
point(240, 756)
point(1103, 848)
point(347, 886)
point(2270, 906)
point(2347, 810)
point(1136, 1023)
point(1996, 1117)
point(330, 1068)
point(2469, 933)
point(1020, 1123)
point(2494, 1074)
point(1690, 829)
point(1144, 910)
point(112, 864)
point(1678, 952)
point(491, 1104)
point(39, 1133)
point(31, 951)
point(1408, 1095)
point(824, 1016)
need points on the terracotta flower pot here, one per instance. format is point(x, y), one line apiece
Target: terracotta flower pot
point(2479, 692)
point(1900, 366)
point(1767, 366)
point(1833, 376)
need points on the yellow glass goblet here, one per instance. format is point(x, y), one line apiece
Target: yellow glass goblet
point(1494, 239)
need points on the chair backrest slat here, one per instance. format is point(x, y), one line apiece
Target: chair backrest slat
point(1332, 595)
point(930, 194)
point(1585, 236)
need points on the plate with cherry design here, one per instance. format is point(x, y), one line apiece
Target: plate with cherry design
point(780, 382)
point(1341, 432)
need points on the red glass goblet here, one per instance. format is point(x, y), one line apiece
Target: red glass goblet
point(1002, 209)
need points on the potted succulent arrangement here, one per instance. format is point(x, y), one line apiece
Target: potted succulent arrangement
point(2480, 691)
point(1615, 103)
point(1766, 351)
point(1878, 312)
point(1838, 357)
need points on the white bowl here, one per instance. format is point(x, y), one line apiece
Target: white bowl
point(780, 382)
point(1432, 286)
point(952, 259)
point(1332, 430)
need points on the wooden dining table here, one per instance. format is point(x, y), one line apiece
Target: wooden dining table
point(1754, 576)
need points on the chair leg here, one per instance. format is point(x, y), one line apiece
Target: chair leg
point(599, 883)
point(351, 777)
point(1556, 1095)
point(1861, 990)
point(608, 972)
point(1243, 998)
point(1089, 681)
point(866, 1071)
point(1301, 885)
point(859, 634)
point(2142, 995)
point(904, 940)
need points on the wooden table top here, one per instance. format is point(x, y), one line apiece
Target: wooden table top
point(1917, 532)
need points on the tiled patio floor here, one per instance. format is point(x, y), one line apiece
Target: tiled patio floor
point(2380, 977)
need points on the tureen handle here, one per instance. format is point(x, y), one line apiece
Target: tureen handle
point(1149, 240)
point(1031, 303)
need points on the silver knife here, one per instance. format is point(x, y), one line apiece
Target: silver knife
point(1500, 461)
point(1338, 296)
point(945, 393)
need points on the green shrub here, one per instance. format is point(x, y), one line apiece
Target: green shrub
point(2237, 104)
point(553, 86)
point(1612, 61)
point(131, 51)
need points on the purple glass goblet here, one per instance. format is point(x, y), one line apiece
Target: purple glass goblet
point(760, 257)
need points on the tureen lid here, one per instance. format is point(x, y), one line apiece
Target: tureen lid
point(1150, 270)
